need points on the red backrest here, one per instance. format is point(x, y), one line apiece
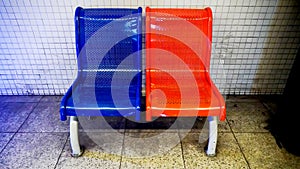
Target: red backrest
point(186, 33)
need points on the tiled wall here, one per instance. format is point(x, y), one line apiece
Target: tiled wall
point(254, 43)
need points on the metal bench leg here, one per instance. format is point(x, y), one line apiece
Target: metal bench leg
point(213, 135)
point(74, 139)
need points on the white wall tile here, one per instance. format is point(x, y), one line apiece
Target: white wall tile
point(40, 34)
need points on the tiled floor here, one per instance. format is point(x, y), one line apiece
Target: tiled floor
point(32, 136)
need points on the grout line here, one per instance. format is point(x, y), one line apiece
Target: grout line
point(18, 129)
point(239, 145)
point(63, 147)
point(182, 152)
point(41, 98)
point(27, 117)
point(123, 145)
point(8, 142)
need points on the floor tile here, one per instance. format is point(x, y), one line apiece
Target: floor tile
point(160, 124)
point(200, 124)
point(4, 139)
point(2, 98)
point(102, 150)
point(261, 151)
point(141, 145)
point(12, 115)
point(247, 117)
point(169, 160)
point(271, 102)
point(101, 124)
point(152, 150)
point(228, 155)
point(21, 99)
point(241, 98)
point(33, 150)
point(245, 108)
point(51, 99)
point(45, 118)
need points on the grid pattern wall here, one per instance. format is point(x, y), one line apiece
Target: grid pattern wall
point(254, 43)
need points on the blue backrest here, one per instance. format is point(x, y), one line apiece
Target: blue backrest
point(108, 45)
point(115, 33)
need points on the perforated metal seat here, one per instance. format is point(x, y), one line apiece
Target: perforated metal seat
point(108, 83)
point(178, 82)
